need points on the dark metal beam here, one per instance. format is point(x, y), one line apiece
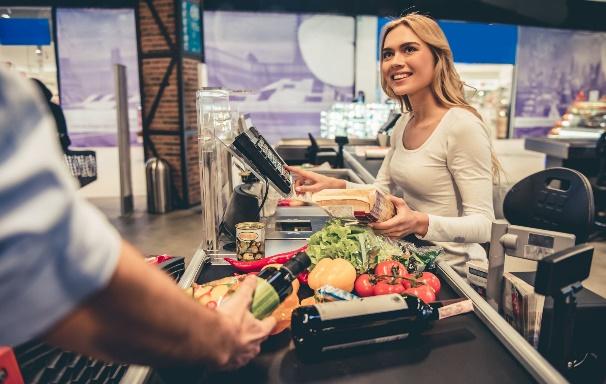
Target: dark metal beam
point(580, 14)
point(70, 3)
point(160, 24)
point(162, 132)
point(157, 54)
point(181, 102)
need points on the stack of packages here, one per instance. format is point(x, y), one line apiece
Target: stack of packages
point(522, 307)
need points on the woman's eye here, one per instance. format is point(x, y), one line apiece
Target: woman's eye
point(387, 55)
point(409, 49)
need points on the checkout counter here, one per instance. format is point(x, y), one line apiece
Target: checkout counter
point(475, 347)
point(574, 153)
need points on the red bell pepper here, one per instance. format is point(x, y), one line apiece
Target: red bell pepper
point(303, 277)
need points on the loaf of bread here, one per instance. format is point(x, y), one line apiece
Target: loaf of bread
point(365, 205)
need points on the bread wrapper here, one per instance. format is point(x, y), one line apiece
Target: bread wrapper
point(366, 205)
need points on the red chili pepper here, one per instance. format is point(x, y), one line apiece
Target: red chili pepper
point(256, 265)
point(303, 277)
point(246, 266)
point(163, 258)
point(159, 259)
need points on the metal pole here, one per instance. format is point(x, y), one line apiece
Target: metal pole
point(496, 264)
point(126, 183)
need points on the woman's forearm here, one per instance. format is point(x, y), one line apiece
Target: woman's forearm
point(474, 228)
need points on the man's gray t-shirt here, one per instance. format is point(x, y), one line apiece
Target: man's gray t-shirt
point(55, 248)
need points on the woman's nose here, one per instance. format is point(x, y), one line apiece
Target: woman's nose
point(397, 60)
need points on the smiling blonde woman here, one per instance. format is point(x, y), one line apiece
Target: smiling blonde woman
point(441, 156)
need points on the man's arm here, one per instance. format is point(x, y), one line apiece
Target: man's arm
point(143, 317)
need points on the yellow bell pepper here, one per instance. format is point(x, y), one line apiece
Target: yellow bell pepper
point(336, 272)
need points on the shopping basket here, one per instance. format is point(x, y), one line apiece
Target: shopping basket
point(82, 165)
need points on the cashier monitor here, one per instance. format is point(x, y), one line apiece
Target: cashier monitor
point(252, 148)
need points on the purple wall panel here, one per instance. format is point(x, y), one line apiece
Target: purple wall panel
point(261, 52)
point(90, 42)
point(552, 67)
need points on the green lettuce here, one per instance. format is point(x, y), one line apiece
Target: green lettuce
point(357, 244)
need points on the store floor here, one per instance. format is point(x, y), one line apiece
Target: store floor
point(178, 233)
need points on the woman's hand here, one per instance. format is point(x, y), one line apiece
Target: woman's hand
point(308, 181)
point(405, 222)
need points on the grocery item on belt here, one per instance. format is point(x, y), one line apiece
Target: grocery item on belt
point(336, 272)
point(330, 293)
point(250, 240)
point(257, 265)
point(213, 293)
point(367, 205)
point(355, 243)
point(275, 283)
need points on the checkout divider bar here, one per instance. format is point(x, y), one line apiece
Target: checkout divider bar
point(138, 374)
point(355, 165)
point(530, 358)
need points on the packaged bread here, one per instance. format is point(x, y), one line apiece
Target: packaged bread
point(366, 205)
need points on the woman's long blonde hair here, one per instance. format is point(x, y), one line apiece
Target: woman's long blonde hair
point(447, 86)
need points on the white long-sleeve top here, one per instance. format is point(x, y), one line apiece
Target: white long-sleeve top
point(449, 177)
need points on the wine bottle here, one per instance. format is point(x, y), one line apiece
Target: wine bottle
point(274, 285)
point(370, 320)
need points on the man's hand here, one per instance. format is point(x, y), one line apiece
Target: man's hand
point(142, 317)
point(248, 332)
point(308, 181)
point(405, 222)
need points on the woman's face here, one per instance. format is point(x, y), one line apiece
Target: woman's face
point(408, 64)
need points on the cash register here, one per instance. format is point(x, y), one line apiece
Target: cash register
point(549, 216)
point(252, 149)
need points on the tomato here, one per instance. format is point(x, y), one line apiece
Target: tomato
point(391, 268)
point(423, 292)
point(364, 285)
point(406, 283)
point(385, 287)
point(395, 269)
point(431, 280)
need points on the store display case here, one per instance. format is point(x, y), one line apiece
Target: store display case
point(488, 89)
point(355, 120)
point(583, 119)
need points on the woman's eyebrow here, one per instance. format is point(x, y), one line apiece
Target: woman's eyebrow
point(402, 45)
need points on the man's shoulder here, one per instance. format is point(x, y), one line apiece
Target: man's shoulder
point(20, 111)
